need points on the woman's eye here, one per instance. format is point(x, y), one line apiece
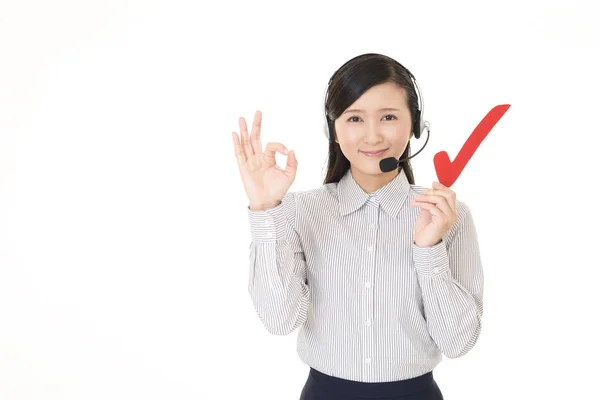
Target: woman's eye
point(354, 118)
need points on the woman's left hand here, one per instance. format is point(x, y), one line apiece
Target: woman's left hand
point(438, 214)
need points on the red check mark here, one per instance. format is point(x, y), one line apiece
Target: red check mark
point(448, 171)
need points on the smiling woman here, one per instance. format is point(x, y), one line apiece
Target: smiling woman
point(381, 277)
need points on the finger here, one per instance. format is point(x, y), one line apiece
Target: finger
point(255, 135)
point(438, 200)
point(291, 165)
point(433, 210)
point(443, 191)
point(431, 198)
point(245, 139)
point(447, 190)
point(440, 190)
point(272, 147)
point(239, 153)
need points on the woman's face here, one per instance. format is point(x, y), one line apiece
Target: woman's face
point(378, 121)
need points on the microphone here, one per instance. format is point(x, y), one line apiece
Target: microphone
point(391, 163)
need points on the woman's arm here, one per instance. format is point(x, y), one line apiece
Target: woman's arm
point(277, 280)
point(451, 279)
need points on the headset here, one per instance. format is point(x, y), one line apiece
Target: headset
point(421, 124)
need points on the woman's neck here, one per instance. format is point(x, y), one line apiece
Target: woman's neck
point(372, 182)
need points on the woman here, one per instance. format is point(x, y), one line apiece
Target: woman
point(382, 276)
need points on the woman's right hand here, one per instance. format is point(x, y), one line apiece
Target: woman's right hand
point(264, 181)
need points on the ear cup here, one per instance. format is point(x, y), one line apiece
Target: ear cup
point(420, 123)
point(417, 127)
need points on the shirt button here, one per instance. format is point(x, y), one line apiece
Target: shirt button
point(368, 360)
point(436, 270)
point(373, 226)
point(267, 223)
point(368, 322)
point(370, 248)
point(269, 235)
point(368, 284)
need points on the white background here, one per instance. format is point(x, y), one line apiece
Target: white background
point(123, 227)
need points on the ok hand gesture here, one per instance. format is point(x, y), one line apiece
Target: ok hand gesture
point(264, 181)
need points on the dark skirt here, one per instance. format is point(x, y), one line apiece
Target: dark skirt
point(324, 387)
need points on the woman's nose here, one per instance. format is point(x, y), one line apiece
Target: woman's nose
point(373, 132)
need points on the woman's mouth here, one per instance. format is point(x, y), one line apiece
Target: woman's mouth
point(374, 153)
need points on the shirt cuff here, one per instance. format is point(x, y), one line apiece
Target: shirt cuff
point(431, 261)
point(268, 225)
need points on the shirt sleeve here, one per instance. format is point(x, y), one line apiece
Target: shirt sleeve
point(451, 278)
point(277, 279)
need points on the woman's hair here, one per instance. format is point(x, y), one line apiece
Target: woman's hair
point(346, 85)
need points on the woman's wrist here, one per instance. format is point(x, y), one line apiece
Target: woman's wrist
point(264, 207)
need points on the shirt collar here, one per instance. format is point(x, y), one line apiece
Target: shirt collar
point(391, 196)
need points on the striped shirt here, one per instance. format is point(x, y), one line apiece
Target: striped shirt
point(372, 306)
